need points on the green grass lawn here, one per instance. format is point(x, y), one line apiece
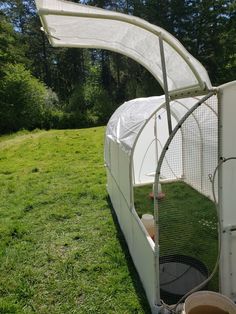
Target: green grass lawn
point(60, 248)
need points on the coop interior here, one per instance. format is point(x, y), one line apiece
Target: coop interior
point(187, 219)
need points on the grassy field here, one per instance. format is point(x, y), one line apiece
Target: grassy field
point(60, 248)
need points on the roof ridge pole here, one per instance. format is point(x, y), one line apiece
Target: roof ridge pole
point(165, 84)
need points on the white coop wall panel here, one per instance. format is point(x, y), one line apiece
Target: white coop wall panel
point(114, 161)
point(227, 205)
point(229, 192)
point(120, 169)
point(139, 243)
point(107, 152)
point(120, 206)
point(227, 183)
point(113, 191)
point(209, 125)
point(125, 220)
point(109, 182)
point(143, 256)
point(124, 177)
point(232, 264)
point(228, 149)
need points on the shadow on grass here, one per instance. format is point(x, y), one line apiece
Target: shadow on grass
point(132, 270)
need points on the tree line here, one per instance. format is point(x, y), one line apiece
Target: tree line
point(46, 87)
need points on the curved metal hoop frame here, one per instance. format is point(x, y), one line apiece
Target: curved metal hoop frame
point(156, 182)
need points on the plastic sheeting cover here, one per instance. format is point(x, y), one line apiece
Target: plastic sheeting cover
point(126, 122)
point(74, 25)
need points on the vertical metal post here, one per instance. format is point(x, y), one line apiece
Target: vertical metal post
point(156, 138)
point(165, 83)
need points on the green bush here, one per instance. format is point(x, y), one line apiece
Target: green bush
point(22, 99)
point(52, 119)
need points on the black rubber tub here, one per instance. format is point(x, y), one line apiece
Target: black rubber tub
point(179, 274)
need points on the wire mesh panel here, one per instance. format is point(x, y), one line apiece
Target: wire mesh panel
point(200, 149)
point(187, 219)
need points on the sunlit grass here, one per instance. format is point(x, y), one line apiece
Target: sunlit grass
point(60, 250)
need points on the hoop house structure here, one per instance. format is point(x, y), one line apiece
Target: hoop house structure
point(135, 138)
point(183, 137)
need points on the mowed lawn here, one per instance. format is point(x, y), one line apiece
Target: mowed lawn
point(61, 250)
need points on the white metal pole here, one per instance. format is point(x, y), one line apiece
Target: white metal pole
point(165, 84)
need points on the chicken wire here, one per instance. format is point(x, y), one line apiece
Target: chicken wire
point(187, 220)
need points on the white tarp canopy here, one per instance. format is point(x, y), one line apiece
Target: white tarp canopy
point(127, 121)
point(139, 128)
point(75, 25)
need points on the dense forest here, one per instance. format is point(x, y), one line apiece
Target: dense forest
point(45, 87)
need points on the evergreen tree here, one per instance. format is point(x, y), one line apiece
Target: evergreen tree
point(11, 49)
point(209, 19)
